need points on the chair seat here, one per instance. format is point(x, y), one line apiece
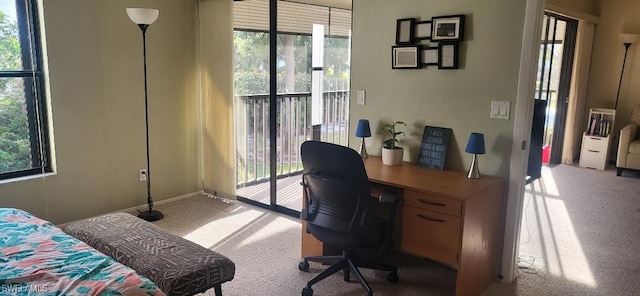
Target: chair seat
point(372, 236)
point(634, 147)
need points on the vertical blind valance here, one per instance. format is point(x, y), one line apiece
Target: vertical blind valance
point(292, 17)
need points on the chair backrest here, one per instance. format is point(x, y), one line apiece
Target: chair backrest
point(635, 115)
point(336, 186)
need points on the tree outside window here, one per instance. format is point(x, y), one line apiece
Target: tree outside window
point(251, 63)
point(23, 143)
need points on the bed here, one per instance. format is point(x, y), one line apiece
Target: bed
point(38, 258)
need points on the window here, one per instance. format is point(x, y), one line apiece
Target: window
point(24, 148)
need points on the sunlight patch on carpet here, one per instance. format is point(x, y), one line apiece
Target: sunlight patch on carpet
point(562, 249)
point(222, 228)
point(270, 229)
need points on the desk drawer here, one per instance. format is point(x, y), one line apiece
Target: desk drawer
point(431, 234)
point(433, 202)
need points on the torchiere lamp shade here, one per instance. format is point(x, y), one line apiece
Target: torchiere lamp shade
point(143, 16)
point(475, 144)
point(363, 130)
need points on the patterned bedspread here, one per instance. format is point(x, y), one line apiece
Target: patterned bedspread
point(37, 258)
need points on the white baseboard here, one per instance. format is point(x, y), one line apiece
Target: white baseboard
point(144, 207)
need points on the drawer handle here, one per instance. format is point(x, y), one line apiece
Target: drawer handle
point(431, 219)
point(597, 139)
point(593, 150)
point(432, 203)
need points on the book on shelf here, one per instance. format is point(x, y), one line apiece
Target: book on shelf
point(598, 126)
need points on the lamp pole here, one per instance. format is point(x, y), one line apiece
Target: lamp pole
point(144, 17)
point(624, 61)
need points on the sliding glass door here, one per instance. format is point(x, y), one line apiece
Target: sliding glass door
point(284, 86)
point(553, 84)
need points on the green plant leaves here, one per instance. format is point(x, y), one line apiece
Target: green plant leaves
point(391, 128)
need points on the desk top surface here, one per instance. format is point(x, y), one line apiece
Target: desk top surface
point(409, 176)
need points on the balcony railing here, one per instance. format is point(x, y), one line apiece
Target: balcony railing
point(293, 127)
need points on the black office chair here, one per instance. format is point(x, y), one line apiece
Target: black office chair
point(336, 207)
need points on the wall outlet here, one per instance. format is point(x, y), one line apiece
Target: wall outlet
point(143, 175)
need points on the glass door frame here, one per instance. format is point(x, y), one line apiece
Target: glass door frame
point(280, 165)
point(273, 108)
point(564, 84)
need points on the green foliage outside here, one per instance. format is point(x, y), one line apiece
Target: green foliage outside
point(251, 63)
point(14, 133)
point(294, 72)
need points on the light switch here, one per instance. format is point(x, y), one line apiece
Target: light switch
point(495, 109)
point(361, 97)
point(503, 110)
point(500, 109)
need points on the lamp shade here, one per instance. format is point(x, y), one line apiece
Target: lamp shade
point(629, 38)
point(475, 144)
point(363, 130)
point(143, 16)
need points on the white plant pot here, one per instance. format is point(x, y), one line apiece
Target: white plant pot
point(392, 156)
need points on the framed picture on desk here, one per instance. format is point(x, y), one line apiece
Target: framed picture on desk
point(434, 146)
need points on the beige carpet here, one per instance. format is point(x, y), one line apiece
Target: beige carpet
point(580, 236)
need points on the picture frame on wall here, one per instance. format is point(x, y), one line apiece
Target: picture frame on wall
point(448, 55)
point(405, 57)
point(423, 30)
point(447, 28)
point(429, 56)
point(404, 31)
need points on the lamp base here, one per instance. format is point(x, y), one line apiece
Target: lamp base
point(363, 150)
point(150, 215)
point(474, 172)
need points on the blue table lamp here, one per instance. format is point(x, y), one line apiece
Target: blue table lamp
point(363, 131)
point(475, 146)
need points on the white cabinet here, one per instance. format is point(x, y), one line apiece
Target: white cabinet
point(596, 140)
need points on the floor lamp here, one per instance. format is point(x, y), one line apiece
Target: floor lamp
point(627, 39)
point(144, 17)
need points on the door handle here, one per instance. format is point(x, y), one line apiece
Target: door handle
point(432, 203)
point(430, 219)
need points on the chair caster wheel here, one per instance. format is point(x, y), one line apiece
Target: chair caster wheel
point(304, 266)
point(307, 291)
point(393, 277)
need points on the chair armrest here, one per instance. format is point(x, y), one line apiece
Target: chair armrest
point(627, 135)
point(304, 212)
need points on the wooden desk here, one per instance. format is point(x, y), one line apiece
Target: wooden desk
point(445, 217)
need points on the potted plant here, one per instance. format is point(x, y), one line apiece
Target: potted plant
point(391, 153)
